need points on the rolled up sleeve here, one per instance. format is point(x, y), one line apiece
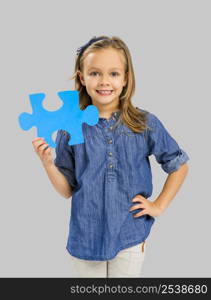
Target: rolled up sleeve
point(164, 147)
point(64, 160)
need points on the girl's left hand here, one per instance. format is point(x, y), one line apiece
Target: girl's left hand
point(149, 208)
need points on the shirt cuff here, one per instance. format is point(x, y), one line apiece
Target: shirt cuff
point(175, 163)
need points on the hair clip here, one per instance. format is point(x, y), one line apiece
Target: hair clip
point(82, 48)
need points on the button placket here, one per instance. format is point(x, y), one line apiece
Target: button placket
point(110, 159)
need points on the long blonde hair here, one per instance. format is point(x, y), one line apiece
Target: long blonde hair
point(132, 117)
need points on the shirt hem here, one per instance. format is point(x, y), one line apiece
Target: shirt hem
point(97, 258)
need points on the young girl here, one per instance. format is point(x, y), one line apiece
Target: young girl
point(109, 175)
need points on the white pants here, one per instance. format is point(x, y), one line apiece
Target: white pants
point(127, 263)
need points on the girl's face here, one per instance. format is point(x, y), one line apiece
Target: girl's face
point(104, 71)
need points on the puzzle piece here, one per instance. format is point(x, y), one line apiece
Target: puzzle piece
point(69, 117)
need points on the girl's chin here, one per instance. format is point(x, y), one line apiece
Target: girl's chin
point(102, 101)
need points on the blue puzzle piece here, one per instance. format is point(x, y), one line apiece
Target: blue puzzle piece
point(69, 117)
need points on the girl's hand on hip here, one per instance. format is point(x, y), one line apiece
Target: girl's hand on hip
point(43, 151)
point(148, 207)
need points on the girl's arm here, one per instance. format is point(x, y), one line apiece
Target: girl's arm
point(173, 161)
point(171, 187)
point(58, 180)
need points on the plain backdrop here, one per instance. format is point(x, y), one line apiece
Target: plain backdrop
point(170, 47)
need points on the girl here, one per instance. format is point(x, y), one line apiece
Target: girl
point(109, 175)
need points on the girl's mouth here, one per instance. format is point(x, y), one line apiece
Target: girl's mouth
point(104, 92)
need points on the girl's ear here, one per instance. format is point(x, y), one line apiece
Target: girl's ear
point(126, 78)
point(81, 77)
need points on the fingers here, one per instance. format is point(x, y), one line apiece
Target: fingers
point(143, 212)
point(138, 198)
point(37, 142)
point(43, 148)
point(40, 145)
point(38, 138)
point(136, 207)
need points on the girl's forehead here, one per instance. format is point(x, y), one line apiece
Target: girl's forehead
point(110, 58)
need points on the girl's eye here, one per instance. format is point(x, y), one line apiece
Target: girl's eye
point(93, 73)
point(98, 72)
point(115, 73)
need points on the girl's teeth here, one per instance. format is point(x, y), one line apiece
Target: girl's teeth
point(105, 92)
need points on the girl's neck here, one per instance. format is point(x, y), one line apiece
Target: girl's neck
point(107, 114)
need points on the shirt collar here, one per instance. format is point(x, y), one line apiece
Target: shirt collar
point(114, 115)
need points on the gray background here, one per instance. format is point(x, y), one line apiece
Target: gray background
point(170, 47)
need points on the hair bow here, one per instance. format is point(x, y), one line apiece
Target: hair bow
point(82, 48)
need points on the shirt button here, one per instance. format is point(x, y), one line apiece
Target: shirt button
point(110, 166)
point(110, 153)
point(110, 141)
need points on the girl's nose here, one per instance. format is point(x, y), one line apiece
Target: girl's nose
point(104, 79)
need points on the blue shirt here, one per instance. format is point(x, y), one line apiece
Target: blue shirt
point(106, 172)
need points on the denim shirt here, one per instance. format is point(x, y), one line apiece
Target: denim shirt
point(105, 172)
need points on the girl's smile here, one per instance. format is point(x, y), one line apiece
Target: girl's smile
point(104, 92)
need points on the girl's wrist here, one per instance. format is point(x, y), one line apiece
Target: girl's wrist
point(48, 164)
point(160, 207)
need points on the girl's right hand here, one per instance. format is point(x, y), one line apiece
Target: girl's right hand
point(43, 151)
